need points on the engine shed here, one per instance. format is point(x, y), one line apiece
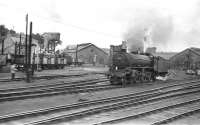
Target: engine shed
point(187, 59)
point(87, 54)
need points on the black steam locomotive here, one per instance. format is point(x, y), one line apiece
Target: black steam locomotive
point(135, 67)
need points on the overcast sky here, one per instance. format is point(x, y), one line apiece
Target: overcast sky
point(175, 24)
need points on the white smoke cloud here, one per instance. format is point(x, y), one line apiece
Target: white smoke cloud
point(156, 27)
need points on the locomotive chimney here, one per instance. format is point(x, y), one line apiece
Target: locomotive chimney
point(124, 47)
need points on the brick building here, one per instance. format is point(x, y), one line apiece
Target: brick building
point(88, 53)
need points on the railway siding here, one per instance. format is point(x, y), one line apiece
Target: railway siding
point(138, 114)
point(132, 102)
point(112, 106)
point(141, 114)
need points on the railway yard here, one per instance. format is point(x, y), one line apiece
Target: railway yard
point(80, 96)
point(102, 62)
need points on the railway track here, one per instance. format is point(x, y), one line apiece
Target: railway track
point(86, 86)
point(144, 113)
point(117, 106)
point(116, 103)
point(49, 77)
point(49, 85)
point(182, 115)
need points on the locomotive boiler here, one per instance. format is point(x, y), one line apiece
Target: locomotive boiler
point(122, 60)
point(135, 67)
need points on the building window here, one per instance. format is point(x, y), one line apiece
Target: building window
point(91, 50)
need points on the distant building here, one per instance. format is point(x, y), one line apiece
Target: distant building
point(187, 59)
point(88, 53)
point(13, 46)
point(10, 46)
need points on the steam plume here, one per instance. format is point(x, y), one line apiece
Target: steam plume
point(151, 26)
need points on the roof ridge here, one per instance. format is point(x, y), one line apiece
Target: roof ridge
point(194, 48)
point(83, 44)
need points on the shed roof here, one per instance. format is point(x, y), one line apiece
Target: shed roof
point(72, 48)
point(194, 50)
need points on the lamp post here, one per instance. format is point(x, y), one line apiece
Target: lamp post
point(26, 50)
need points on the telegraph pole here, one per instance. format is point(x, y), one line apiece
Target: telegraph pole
point(26, 47)
point(29, 53)
point(30, 44)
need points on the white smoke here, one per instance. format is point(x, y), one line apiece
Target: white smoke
point(147, 41)
point(149, 28)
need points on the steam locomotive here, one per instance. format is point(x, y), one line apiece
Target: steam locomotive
point(134, 67)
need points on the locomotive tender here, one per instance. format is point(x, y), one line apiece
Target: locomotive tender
point(135, 67)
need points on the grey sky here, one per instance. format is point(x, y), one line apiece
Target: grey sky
point(175, 23)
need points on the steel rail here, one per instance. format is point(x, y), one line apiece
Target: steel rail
point(51, 87)
point(179, 116)
point(139, 115)
point(106, 108)
point(139, 95)
point(59, 92)
point(49, 77)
